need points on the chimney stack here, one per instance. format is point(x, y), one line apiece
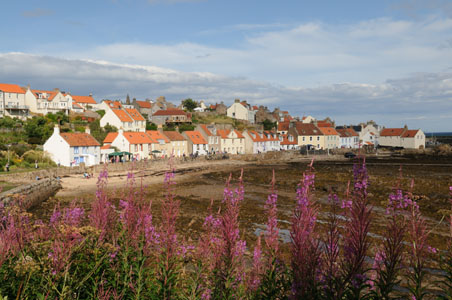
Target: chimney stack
point(87, 130)
point(56, 130)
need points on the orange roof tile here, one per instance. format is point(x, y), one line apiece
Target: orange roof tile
point(286, 141)
point(255, 136)
point(111, 136)
point(347, 132)
point(223, 133)
point(138, 137)
point(104, 147)
point(307, 129)
point(157, 135)
point(79, 139)
point(76, 105)
point(174, 135)
point(271, 136)
point(195, 137)
point(283, 126)
point(328, 131)
point(324, 124)
point(113, 104)
point(206, 130)
point(49, 94)
point(11, 88)
point(84, 99)
point(392, 132)
point(135, 114)
point(410, 133)
point(144, 104)
point(239, 134)
point(122, 115)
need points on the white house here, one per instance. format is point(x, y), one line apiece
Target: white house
point(232, 141)
point(288, 141)
point(196, 143)
point(12, 101)
point(127, 118)
point(137, 143)
point(241, 111)
point(44, 102)
point(254, 142)
point(349, 138)
point(209, 132)
point(272, 142)
point(331, 138)
point(72, 149)
point(86, 102)
point(402, 137)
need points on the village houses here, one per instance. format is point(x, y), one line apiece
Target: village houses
point(196, 144)
point(331, 139)
point(232, 141)
point(44, 102)
point(137, 143)
point(349, 138)
point(71, 149)
point(162, 146)
point(129, 119)
point(307, 135)
point(242, 111)
point(288, 142)
point(254, 142)
point(402, 138)
point(209, 132)
point(173, 115)
point(12, 101)
point(178, 143)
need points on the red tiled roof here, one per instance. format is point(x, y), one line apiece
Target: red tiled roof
point(195, 137)
point(347, 132)
point(286, 141)
point(174, 135)
point(223, 133)
point(105, 147)
point(135, 114)
point(213, 106)
point(113, 104)
point(111, 136)
point(169, 112)
point(122, 115)
point(79, 139)
point(50, 94)
point(328, 131)
point(157, 135)
point(307, 129)
point(138, 137)
point(283, 126)
point(324, 124)
point(84, 99)
point(392, 132)
point(144, 104)
point(410, 133)
point(255, 107)
point(255, 136)
point(239, 134)
point(271, 136)
point(206, 130)
point(11, 88)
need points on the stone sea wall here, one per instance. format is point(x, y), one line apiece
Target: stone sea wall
point(30, 195)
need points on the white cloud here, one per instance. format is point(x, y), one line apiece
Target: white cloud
point(420, 100)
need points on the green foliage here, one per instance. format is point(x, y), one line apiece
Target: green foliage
point(38, 130)
point(269, 125)
point(58, 118)
point(101, 112)
point(8, 122)
point(150, 126)
point(186, 127)
point(100, 133)
point(189, 104)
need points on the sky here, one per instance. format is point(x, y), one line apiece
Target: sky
point(353, 61)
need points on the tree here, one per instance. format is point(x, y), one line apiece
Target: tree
point(100, 133)
point(101, 112)
point(38, 130)
point(268, 125)
point(189, 104)
point(186, 127)
point(150, 126)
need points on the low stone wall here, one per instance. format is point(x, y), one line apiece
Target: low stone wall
point(30, 195)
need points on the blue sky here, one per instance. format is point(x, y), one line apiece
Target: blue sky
point(389, 61)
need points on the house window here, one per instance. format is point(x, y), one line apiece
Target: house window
point(75, 150)
point(310, 138)
point(318, 138)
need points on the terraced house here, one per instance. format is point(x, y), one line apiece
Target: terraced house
point(12, 101)
point(307, 134)
point(178, 143)
point(232, 141)
point(44, 102)
point(129, 119)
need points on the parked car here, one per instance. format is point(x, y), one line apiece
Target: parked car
point(350, 155)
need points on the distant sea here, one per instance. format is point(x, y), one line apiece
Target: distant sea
point(430, 134)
